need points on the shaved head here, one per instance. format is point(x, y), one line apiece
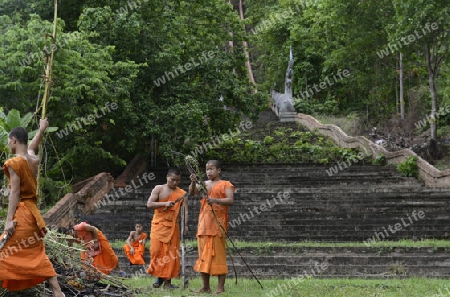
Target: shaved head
point(214, 163)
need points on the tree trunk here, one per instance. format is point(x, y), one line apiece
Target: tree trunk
point(247, 63)
point(402, 100)
point(397, 100)
point(433, 94)
point(230, 43)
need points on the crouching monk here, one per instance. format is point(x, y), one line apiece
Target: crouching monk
point(135, 247)
point(23, 262)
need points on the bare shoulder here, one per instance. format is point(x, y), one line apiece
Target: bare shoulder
point(33, 161)
point(158, 188)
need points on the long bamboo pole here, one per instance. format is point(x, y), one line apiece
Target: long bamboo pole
point(183, 251)
point(48, 83)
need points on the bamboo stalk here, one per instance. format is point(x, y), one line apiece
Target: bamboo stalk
point(48, 83)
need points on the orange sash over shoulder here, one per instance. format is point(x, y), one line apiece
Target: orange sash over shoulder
point(212, 257)
point(28, 185)
point(165, 239)
point(207, 223)
point(23, 262)
point(164, 223)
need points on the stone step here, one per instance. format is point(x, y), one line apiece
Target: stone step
point(305, 236)
point(287, 204)
point(300, 218)
point(280, 198)
point(357, 262)
point(351, 205)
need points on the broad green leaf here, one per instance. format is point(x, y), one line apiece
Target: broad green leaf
point(13, 119)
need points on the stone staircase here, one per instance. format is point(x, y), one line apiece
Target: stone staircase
point(324, 262)
point(298, 203)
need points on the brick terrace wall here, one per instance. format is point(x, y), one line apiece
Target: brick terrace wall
point(82, 201)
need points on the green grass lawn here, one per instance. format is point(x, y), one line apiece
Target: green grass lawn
point(412, 287)
point(309, 287)
point(384, 243)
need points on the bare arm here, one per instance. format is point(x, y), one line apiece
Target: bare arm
point(130, 238)
point(92, 229)
point(34, 144)
point(153, 203)
point(14, 199)
point(193, 190)
point(228, 201)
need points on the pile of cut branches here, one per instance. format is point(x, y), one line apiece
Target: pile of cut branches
point(76, 277)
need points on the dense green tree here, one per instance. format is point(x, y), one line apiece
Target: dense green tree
point(424, 26)
point(166, 67)
point(85, 79)
point(193, 86)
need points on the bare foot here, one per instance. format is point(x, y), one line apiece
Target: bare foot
point(219, 291)
point(60, 294)
point(203, 290)
point(54, 285)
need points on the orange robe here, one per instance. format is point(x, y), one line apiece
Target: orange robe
point(165, 239)
point(104, 259)
point(139, 249)
point(210, 235)
point(23, 262)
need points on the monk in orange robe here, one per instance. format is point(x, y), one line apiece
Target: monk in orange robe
point(212, 226)
point(167, 201)
point(99, 252)
point(135, 247)
point(23, 262)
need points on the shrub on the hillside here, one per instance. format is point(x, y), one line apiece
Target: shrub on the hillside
point(283, 145)
point(379, 160)
point(268, 140)
point(409, 167)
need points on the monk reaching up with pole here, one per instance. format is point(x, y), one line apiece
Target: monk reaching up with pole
point(23, 262)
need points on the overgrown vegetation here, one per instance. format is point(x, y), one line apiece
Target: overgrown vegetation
point(409, 167)
point(370, 41)
point(275, 143)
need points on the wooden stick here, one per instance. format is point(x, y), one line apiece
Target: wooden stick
point(183, 252)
